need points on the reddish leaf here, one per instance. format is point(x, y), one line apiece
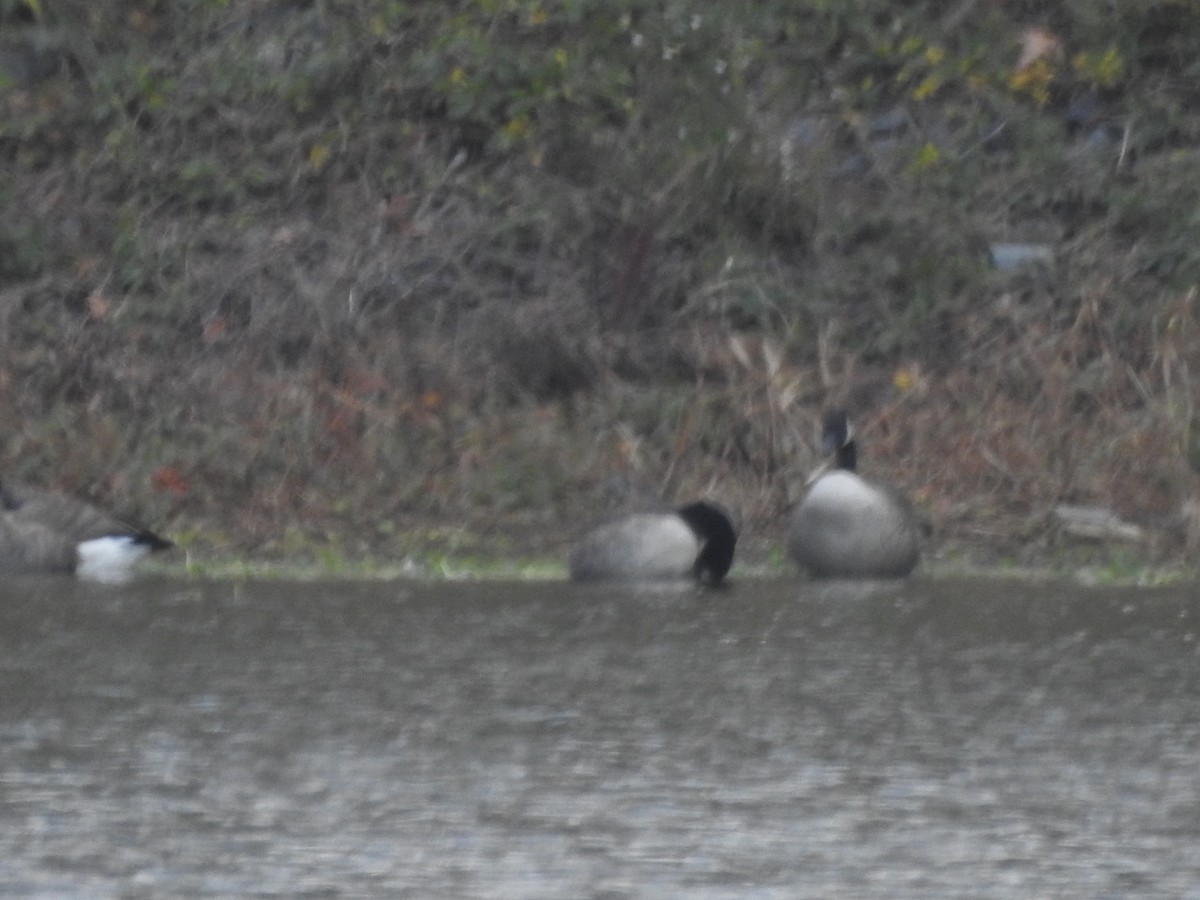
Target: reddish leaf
point(168, 480)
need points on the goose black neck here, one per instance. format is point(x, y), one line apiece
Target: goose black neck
point(715, 531)
point(847, 456)
point(152, 541)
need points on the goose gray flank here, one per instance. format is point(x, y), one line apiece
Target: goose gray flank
point(696, 541)
point(43, 532)
point(847, 526)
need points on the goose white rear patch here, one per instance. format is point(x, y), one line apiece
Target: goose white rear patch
point(109, 559)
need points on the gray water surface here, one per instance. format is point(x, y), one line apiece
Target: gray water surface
point(775, 739)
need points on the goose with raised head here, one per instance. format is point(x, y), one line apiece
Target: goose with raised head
point(695, 541)
point(847, 526)
point(42, 532)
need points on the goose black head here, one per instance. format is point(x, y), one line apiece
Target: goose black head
point(837, 437)
point(718, 539)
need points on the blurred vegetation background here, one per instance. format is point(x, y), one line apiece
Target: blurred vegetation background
point(388, 277)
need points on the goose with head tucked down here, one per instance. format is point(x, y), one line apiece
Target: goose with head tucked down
point(847, 526)
point(696, 541)
point(42, 532)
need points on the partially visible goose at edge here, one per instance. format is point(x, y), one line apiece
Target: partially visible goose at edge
point(847, 526)
point(696, 541)
point(42, 532)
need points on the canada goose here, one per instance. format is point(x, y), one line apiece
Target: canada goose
point(847, 526)
point(45, 532)
point(696, 541)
